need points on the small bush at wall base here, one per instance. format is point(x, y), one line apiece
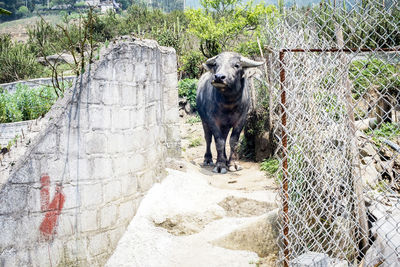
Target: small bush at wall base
point(187, 88)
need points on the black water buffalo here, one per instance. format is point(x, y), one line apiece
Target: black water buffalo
point(223, 100)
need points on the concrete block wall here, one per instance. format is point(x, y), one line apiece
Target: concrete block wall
point(70, 197)
point(9, 131)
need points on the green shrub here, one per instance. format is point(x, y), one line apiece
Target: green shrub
point(374, 72)
point(220, 23)
point(80, 4)
point(270, 165)
point(23, 11)
point(191, 64)
point(195, 142)
point(17, 61)
point(193, 119)
point(386, 131)
point(188, 88)
point(26, 103)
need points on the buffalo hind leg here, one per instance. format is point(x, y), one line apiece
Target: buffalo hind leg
point(233, 164)
point(208, 136)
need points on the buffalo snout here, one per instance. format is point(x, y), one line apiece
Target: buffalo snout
point(219, 77)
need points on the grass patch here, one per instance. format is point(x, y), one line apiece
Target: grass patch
point(195, 142)
point(387, 131)
point(270, 166)
point(193, 119)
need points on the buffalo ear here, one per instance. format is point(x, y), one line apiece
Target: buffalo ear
point(248, 63)
point(210, 63)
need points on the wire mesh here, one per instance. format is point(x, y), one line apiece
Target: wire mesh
point(335, 91)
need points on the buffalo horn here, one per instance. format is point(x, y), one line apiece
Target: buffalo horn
point(248, 63)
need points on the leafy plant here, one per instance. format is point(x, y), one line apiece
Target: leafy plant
point(195, 142)
point(193, 119)
point(387, 131)
point(191, 64)
point(374, 73)
point(16, 61)
point(220, 22)
point(26, 103)
point(270, 165)
point(23, 11)
point(188, 88)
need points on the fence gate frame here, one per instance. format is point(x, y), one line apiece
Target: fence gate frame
point(284, 133)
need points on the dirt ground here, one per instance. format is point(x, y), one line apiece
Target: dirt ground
point(249, 179)
point(18, 28)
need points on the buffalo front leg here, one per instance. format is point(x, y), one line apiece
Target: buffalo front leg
point(208, 136)
point(220, 139)
point(233, 164)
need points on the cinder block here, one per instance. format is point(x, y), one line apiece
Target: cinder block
point(128, 94)
point(7, 226)
point(91, 195)
point(101, 168)
point(111, 94)
point(112, 190)
point(127, 210)
point(121, 119)
point(98, 244)
point(108, 216)
point(95, 143)
point(88, 220)
point(100, 118)
point(13, 199)
point(140, 74)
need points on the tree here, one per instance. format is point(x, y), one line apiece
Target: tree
point(221, 22)
point(4, 12)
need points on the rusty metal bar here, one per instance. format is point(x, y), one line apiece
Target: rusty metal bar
point(285, 182)
point(346, 50)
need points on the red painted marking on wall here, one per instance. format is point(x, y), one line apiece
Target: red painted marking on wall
point(53, 210)
point(44, 192)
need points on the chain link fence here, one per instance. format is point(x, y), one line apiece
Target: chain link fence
point(334, 78)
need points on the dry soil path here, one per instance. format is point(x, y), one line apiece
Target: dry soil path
point(195, 217)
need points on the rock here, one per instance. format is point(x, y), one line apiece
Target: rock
point(61, 58)
point(312, 259)
point(367, 160)
point(263, 146)
point(361, 134)
point(368, 150)
point(182, 101)
point(385, 247)
point(366, 124)
point(259, 236)
point(369, 174)
point(188, 108)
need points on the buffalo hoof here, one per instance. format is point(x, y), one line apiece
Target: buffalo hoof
point(220, 169)
point(234, 168)
point(208, 162)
